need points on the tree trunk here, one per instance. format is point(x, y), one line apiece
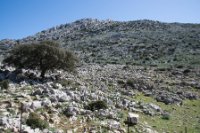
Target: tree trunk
point(42, 75)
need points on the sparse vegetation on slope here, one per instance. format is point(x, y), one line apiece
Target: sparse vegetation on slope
point(142, 42)
point(144, 67)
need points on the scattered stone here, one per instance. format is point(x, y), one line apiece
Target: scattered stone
point(26, 106)
point(71, 111)
point(37, 92)
point(36, 105)
point(53, 98)
point(46, 102)
point(132, 119)
point(191, 96)
point(155, 107)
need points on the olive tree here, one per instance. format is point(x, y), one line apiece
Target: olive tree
point(42, 56)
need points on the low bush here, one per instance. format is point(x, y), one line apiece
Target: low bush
point(166, 116)
point(65, 82)
point(34, 121)
point(130, 82)
point(4, 84)
point(97, 105)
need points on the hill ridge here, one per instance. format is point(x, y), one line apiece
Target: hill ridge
point(141, 42)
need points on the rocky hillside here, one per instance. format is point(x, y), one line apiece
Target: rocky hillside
point(142, 42)
point(143, 72)
point(163, 100)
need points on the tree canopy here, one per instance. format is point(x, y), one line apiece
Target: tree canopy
point(43, 56)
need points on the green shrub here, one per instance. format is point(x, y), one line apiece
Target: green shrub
point(130, 82)
point(65, 82)
point(4, 84)
point(166, 116)
point(120, 82)
point(97, 105)
point(35, 121)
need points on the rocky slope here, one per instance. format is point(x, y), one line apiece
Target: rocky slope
point(139, 42)
point(62, 102)
point(146, 71)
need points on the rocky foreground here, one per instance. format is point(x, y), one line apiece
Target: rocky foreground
point(150, 93)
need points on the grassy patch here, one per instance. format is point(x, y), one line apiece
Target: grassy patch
point(181, 117)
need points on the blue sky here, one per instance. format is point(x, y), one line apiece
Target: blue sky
point(21, 18)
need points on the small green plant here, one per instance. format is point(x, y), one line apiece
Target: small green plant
point(165, 116)
point(97, 105)
point(8, 131)
point(35, 121)
point(130, 82)
point(52, 129)
point(121, 115)
point(65, 82)
point(4, 84)
point(120, 82)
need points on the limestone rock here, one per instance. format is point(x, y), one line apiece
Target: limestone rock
point(46, 102)
point(36, 105)
point(132, 119)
